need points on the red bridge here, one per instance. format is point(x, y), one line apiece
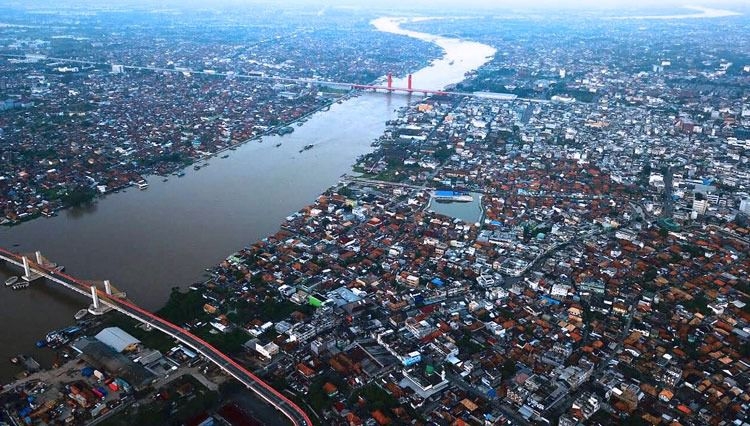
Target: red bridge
point(408, 89)
point(35, 268)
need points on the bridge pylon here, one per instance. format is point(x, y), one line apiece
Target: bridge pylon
point(26, 267)
point(96, 308)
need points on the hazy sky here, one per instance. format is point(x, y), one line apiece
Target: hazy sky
point(545, 3)
point(401, 4)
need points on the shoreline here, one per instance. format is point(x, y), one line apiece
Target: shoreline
point(347, 96)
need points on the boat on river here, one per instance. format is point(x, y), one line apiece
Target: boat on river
point(285, 130)
point(80, 314)
point(10, 281)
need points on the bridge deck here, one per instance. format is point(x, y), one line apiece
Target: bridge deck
point(265, 391)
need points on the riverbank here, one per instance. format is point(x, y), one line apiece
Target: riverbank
point(148, 241)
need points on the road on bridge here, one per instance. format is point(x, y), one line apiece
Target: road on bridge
point(274, 398)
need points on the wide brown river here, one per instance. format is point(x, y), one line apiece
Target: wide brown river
point(148, 241)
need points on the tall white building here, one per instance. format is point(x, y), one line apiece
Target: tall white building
point(745, 205)
point(700, 206)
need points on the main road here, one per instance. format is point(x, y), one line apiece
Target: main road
point(274, 398)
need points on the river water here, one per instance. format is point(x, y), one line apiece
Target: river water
point(148, 241)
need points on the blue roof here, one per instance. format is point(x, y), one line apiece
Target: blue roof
point(438, 282)
point(551, 300)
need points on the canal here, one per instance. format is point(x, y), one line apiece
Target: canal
point(148, 241)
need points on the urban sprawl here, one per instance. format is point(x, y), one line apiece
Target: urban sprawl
point(599, 275)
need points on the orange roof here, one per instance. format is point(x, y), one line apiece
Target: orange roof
point(667, 394)
point(683, 408)
point(381, 418)
point(329, 388)
point(305, 370)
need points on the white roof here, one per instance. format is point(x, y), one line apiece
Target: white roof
point(116, 338)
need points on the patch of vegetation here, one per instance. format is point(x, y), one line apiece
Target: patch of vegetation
point(467, 346)
point(229, 343)
point(183, 307)
point(78, 196)
point(271, 310)
point(376, 397)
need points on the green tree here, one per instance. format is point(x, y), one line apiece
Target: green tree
point(78, 196)
point(508, 369)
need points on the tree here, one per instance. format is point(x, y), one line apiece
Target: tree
point(645, 174)
point(182, 307)
point(508, 369)
point(78, 196)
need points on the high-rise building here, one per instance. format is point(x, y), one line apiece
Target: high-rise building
point(745, 206)
point(700, 206)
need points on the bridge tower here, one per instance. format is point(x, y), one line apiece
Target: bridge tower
point(108, 287)
point(390, 81)
point(26, 268)
point(39, 258)
point(96, 307)
point(408, 83)
point(95, 298)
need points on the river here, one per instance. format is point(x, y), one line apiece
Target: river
point(147, 241)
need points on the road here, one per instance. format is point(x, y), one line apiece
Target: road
point(265, 391)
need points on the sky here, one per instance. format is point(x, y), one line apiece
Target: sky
point(421, 4)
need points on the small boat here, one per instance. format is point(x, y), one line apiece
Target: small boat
point(80, 314)
point(225, 156)
point(196, 167)
point(278, 145)
point(181, 174)
point(41, 343)
point(285, 130)
point(20, 286)
point(306, 148)
point(165, 179)
point(58, 268)
point(15, 360)
point(10, 281)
